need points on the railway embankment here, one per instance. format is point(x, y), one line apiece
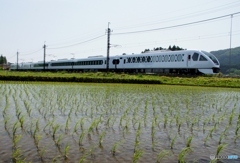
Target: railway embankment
point(99, 77)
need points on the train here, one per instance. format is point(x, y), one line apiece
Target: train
point(179, 62)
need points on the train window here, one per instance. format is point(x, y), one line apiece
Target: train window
point(133, 59)
point(124, 61)
point(156, 58)
point(202, 58)
point(143, 59)
point(115, 61)
point(172, 58)
point(129, 60)
point(195, 56)
point(179, 57)
point(148, 59)
point(138, 59)
point(160, 58)
point(166, 58)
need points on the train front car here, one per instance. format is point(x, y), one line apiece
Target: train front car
point(212, 65)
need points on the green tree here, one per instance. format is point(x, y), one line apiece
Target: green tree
point(146, 50)
point(3, 60)
point(169, 48)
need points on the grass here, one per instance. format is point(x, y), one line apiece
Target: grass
point(209, 81)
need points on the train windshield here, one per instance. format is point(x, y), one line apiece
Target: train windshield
point(212, 57)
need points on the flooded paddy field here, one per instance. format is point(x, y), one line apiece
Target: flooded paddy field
point(49, 122)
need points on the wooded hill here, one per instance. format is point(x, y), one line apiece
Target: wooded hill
point(229, 64)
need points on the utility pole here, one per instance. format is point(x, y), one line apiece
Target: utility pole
point(230, 50)
point(108, 45)
point(44, 56)
point(17, 60)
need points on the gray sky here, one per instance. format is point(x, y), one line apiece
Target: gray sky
point(27, 24)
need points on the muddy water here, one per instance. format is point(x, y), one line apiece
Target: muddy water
point(44, 122)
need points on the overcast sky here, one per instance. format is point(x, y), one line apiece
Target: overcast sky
point(64, 26)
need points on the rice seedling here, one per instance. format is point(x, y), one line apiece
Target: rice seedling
point(137, 154)
point(114, 147)
point(173, 141)
point(83, 158)
point(189, 140)
point(220, 138)
point(206, 139)
point(67, 125)
point(177, 119)
point(82, 120)
point(6, 122)
point(211, 131)
point(162, 154)
point(220, 148)
point(16, 139)
point(75, 127)
point(81, 136)
point(237, 129)
point(15, 127)
point(231, 118)
point(108, 121)
point(37, 139)
point(101, 138)
point(17, 156)
point(66, 151)
point(48, 124)
point(165, 120)
point(126, 125)
point(182, 154)
point(55, 130)
point(21, 120)
point(57, 142)
point(41, 153)
point(179, 126)
point(121, 119)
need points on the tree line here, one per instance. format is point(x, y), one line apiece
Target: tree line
point(171, 48)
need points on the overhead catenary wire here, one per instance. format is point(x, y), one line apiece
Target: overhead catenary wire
point(180, 40)
point(31, 52)
point(175, 26)
point(184, 16)
point(78, 42)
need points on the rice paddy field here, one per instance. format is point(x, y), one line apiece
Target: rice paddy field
point(59, 122)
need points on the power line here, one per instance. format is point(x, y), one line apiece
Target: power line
point(31, 52)
point(185, 16)
point(78, 43)
point(179, 40)
point(175, 26)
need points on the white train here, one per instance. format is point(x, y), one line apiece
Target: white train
point(183, 61)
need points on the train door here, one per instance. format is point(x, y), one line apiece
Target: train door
point(116, 62)
point(189, 56)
